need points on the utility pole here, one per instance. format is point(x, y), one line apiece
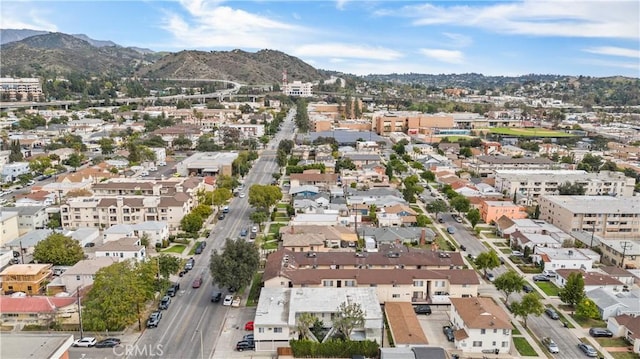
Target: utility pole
point(80, 313)
point(593, 232)
point(624, 245)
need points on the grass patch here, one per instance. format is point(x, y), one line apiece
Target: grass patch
point(548, 288)
point(490, 235)
point(589, 322)
point(176, 248)
point(624, 355)
point(444, 244)
point(523, 347)
point(487, 245)
point(254, 292)
point(526, 268)
point(282, 205)
point(274, 228)
point(457, 138)
point(417, 209)
point(506, 250)
point(270, 245)
point(193, 249)
point(613, 342)
point(529, 132)
point(515, 330)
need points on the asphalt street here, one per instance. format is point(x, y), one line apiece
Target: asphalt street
point(192, 325)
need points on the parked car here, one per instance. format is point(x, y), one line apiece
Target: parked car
point(85, 342)
point(527, 288)
point(517, 254)
point(600, 332)
point(541, 278)
point(551, 313)
point(198, 250)
point(216, 296)
point(248, 337)
point(228, 299)
point(248, 326)
point(462, 247)
point(588, 350)
point(243, 232)
point(448, 332)
point(253, 235)
point(197, 282)
point(245, 345)
point(254, 229)
point(422, 309)
point(242, 195)
point(451, 230)
point(107, 343)
point(189, 265)
point(551, 346)
point(221, 216)
point(154, 319)
point(550, 273)
point(457, 219)
point(225, 209)
point(440, 220)
point(490, 277)
point(164, 303)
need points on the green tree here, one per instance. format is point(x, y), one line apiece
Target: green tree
point(586, 308)
point(182, 143)
point(349, 317)
point(466, 152)
point(107, 145)
point(487, 260)
point(203, 211)
point(573, 290)
point(428, 176)
point(228, 182)
point(16, 152)
point(373, 214)
point(40, 164)
point(236, 265)
point(569, 188)
point(460, 204)
point(529, 305)
point(474, 217)
point(422, 220)
point(221, 196)
point(263, 197)
point(191, 223)
point(259, 217)
point(75, 160)
point(509, 282)
point(168, 264)
point(59, 250)
point(304, 322)
point(437, 206)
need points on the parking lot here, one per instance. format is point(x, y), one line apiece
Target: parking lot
point(432, 326)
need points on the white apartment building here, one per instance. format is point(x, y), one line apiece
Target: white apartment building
point(480, 325)
point(609, 217)
point(565, 258)
point(298, 88)
point(11, 171)
point(123, 249)
point(21, 86)
point(530, 184)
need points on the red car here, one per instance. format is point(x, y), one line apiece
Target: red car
point(197, 282)
point(248, 326)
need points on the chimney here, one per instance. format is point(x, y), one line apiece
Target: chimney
point(423, 236)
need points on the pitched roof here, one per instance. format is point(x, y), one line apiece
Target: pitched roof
point(590, 278)
point(616, 271)
point(39, 304)
point(404, 325)
point(314, 177)
point(481, 313)
point(631, 323)
point(302, 239)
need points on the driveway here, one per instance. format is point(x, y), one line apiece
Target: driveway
point(432, 326)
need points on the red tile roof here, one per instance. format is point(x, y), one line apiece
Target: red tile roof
point(33, 304)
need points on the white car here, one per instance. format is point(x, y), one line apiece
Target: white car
point(228, 300)
point(241, 195)
point(254, 229)
point(85, 342)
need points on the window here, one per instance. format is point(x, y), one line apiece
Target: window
point(327, 283)
point(418, 283)
point(505, 331)
point(395, 296)
point(505, 344)
point(493, 344)
point(494, 332)
point(477, 344)
point(349, 283)
point(483, 331)
point(260, 330)
point(77, 277)
point(277, 330)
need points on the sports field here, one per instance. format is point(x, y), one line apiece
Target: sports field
point(529, 132)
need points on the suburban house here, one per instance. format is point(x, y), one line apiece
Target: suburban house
point(627, 327)
point(313, 178)
point(592, 280)
point(565, 258)
point(609, 217)
point(79, 275)
point(124, 248)
point(37, 198)
point(278, 309)
point(38, 310)
point(480, 325)
point(506, 226)
point(377, 238)
point(404, 326)
point(333, 237)
point(620, 274)
point(207, 163)
point(27, 242)
point(363, 159)
point(26, 278)
point(611, 304)
point(533, 240)
point(491, 211)
point(29, 217)
point(406, 214)
point(304, 242)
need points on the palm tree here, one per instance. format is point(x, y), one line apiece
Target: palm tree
point(303, 324)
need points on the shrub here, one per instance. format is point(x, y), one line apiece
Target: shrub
point(333, 349)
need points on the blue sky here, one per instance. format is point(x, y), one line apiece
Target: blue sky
point(581, 37)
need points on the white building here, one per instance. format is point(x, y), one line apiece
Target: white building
point(279, 308)
point(30, 218)
point(123, 249)
point(81, 274)
point(298, 88)
point(565, 258)
point(11, 171)
point(480, 325)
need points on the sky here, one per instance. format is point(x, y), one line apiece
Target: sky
point(510, 38)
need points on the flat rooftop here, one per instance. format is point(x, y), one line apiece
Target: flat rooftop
point(20, 346)
point(596, 204)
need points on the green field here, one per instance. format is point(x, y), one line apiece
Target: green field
point(529, 132)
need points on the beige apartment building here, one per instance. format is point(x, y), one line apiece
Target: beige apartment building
point(609, 217)
point(531, 184)
point(407, 122)
point(103, 212)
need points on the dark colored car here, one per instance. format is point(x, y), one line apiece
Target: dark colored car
point(243, 232)
point(527, 288)
point(245, 345)
point(440, 220)
point(107, 343)
point(248, 337)
point(463, 248)
point(216, 296)
point(253, 235)
point(221, 216)
point(164, 303)
point(541, 278)
point(200, 248)
point(422, 309)
point(173, 289)
point(154, 319)
point(600, 332)
point(551, 313)
point(448, 332)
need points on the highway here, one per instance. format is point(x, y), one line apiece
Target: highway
point(190, 328)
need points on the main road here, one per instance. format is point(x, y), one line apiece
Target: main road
point(191, 326)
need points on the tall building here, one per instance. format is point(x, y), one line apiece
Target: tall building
point(20, 89)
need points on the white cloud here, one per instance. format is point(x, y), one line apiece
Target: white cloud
point(458, 40)
point(17, 15)
point(569, 18)
point(347, 51)
point(448, 56)
point(340, 4)
point(614, 51)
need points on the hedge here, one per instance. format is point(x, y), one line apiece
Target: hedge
point(333, 349)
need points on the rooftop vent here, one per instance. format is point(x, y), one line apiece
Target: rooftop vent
point(393, 255)
point(311, 254)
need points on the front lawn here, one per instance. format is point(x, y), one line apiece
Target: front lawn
point(254, 292)
point(590, 323)
point(548, 288)
point(274, 228)
point(506, 250)
point(624, 355)
point(523, 347)
point(176, 248)
point(270, 245)
point(613, 342)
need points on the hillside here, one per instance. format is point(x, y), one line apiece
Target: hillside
point(262, 67)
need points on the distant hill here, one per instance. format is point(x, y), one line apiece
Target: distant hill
point(13, 35)
point(64, 53)
point(262, 67)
